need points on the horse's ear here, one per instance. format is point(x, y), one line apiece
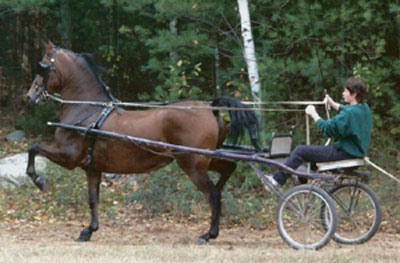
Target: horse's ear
point(44, 44)
point(50, 44)
point(47, 45)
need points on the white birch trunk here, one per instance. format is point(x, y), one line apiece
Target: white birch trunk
point(249, 50)
point(174, 30)
point(217, 63)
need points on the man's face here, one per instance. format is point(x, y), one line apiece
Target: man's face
point(348, 97)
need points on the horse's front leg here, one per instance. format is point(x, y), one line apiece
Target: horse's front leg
point(68, 157)
point(40, 182)
point(94, 179)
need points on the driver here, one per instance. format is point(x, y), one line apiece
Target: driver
point(350, 129)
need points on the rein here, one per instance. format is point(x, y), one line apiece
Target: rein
point(155, 105)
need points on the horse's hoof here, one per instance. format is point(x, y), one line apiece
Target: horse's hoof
point(41, 183)
point(84, 236)
point(81, 240)
point(201, 241)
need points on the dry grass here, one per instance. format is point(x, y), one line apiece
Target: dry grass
point(159, 241)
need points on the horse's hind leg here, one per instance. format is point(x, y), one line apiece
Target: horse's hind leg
point(214, 198)
point(196, 168)
point(224, 168)
point(94, 179)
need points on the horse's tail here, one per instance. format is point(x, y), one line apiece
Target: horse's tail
point(239, 120)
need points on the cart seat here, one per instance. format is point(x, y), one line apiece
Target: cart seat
point(280, 146)
point(340, 164)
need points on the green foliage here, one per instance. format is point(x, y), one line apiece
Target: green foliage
point(36, 122)
point(22, 5)
point(177, 84)
point(67, 195)
point(65, 200)
point(169, 191)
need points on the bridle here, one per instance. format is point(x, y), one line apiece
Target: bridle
point(44, 70)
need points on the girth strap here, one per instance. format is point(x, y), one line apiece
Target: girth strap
point(96, 125)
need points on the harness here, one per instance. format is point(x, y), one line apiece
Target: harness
point(44, 71)
point(92, 138)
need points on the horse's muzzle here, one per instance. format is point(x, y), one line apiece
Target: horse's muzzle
point(40, 99)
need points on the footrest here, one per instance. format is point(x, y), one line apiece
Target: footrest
point(340, 164)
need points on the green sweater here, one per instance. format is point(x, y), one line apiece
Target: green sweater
point(351, 129)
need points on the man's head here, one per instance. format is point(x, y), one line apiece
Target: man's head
point(356, 88)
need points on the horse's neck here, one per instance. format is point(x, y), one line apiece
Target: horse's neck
point(81, 90)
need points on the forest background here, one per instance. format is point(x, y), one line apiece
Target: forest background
point(168, 50)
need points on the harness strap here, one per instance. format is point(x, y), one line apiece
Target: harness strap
point(96, 125)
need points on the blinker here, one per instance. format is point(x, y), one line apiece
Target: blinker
point(43, 69)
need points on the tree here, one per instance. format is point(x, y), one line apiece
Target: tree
point(249, 50)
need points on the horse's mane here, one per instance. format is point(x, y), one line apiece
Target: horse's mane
point(96, 70)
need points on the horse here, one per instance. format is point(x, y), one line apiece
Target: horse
point(76, 77)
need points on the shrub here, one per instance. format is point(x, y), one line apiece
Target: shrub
point(35, 120)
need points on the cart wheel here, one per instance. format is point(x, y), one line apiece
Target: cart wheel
point(299, 220)
point(359, 213)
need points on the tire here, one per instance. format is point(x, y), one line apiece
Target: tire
point(361, 223)
point(299, 220)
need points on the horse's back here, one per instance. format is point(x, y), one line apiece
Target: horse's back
point(195, 127)
point(189, 127)
point(183, 126)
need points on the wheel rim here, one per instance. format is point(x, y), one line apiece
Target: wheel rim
point(356, 213)
point(304, 228)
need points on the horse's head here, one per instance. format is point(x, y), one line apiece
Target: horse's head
point(47, 78)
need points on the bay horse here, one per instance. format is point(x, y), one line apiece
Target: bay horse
point(76, 77)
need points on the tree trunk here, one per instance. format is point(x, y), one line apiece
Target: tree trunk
point(115, 44)
point(249, 50)
point(398, 29)
point(249, 54)
point(65, 27)
point(217, 78)
point(174, 30)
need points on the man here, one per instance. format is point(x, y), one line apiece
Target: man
point(350, 129)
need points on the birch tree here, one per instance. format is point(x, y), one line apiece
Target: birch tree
point(249, 50)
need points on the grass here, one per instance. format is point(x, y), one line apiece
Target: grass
point(151, 195)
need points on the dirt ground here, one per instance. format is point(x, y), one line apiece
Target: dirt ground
point(159, 240)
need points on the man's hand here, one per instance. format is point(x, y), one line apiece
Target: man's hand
point(310, 110)
point(331, 102)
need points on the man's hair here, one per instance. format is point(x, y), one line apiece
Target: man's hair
point(357, 85)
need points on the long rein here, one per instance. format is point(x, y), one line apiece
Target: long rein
point(114, 103)
point(158, 105)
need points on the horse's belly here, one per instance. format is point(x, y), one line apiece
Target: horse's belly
point(120, 158)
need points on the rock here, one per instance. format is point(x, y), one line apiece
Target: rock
point(131, 180)
point(12, 170)
point(112, 176)
point(15, 136)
